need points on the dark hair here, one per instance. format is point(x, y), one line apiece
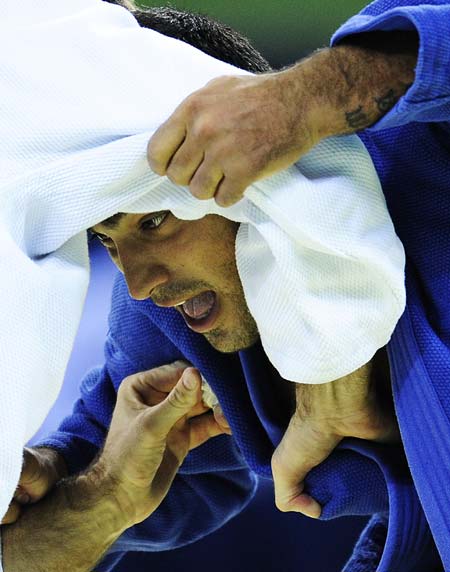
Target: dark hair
point(214, 38)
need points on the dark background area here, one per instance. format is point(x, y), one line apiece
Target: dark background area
point(283, 30)
point(261, 538)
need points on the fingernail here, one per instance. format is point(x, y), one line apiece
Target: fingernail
point(23, 498)
point(189, 381)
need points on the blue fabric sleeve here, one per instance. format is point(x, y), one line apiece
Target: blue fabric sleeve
point(208, 491)
point(428, 99)
point(80, 435)
point(210, 488)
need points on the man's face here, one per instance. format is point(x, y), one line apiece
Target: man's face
point(186, 264)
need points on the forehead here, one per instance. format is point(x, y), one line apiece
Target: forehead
point(117, 222)
point(113, 221)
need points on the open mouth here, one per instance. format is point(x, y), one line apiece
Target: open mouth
point(200, 312)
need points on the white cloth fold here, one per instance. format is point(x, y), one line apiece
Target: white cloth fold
point(82, 90)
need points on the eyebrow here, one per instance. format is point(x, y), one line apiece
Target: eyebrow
point(113, 221)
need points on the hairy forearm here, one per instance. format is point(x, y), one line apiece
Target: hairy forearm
point(69, 530)
point(351, 86)
point(148, 439)
point(358, 404)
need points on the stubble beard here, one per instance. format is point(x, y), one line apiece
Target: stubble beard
point(233, 339)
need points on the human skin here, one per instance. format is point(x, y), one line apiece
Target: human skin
point(357, 405)
point(158, 418)
point(42, 468)
point(247, 128)
point(237, 130)
point(169, 260)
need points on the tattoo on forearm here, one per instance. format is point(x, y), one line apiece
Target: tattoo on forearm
point(357, 119)
point(385, 102)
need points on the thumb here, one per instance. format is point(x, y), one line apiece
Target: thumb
point(183, 397)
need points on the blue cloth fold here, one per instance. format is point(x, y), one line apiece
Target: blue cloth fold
point(412, 160)
point(410, 148)
point(358, 478)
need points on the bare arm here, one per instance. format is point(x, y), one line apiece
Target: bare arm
point(357, 405)
point(149, 436)
point(68, 530)
point(355, 84)
point(237, 130)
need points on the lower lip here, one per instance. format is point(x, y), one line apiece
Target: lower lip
point(204, 324)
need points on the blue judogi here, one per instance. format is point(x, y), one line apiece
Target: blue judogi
point(410, 147)
point(217, 479)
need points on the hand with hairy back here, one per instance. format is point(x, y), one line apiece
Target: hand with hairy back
point(357, 405)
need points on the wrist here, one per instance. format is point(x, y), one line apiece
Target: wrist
point(351, 86)
point(96, 493)
point(129, 503)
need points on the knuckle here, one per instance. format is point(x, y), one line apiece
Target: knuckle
point(226, 199)
point(281, 506)
point(221, 81)
point(125, 386)
point(178, 173)
point(154, 158)
point(202, 189)
point(277, 465)
point(192, 104)
point(133, 381)
point(204, 128)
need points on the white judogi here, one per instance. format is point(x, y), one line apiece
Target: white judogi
point(82, 90)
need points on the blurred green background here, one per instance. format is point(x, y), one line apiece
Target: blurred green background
point(283, 30)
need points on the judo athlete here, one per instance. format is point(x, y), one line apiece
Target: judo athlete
point(315, 254)
point(364, 82)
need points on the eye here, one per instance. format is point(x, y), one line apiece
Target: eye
point(155, 221)
point(105, 240)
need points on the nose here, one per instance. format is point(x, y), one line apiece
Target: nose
point(142, 275)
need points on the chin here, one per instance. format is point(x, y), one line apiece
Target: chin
point(227, 344)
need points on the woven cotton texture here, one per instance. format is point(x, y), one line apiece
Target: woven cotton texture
point(214, 482)
point(83, 88)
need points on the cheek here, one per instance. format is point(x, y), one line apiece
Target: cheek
point(112, 253)
point(204, 248)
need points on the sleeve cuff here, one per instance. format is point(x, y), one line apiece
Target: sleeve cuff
point(428, 99)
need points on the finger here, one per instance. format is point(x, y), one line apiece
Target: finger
point(230, 191)
point(42, 468)
point(165, 142)
point(12, 514)
point(148, 386)
point(21, 496)
point(301, 449)
point(206, 180)
point(221, 420)
point(185, 162)
point(199, 409)
point(202, 429)
point(31, 469)
point(184, 396)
